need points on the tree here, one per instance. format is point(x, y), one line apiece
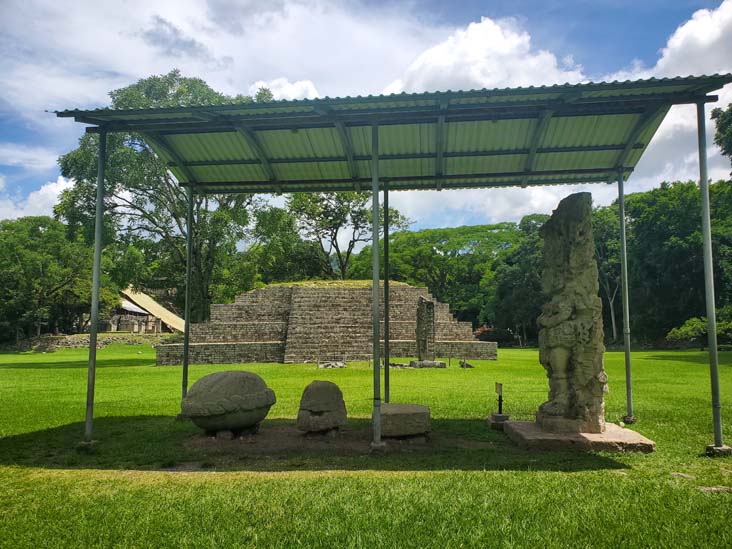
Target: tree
point(723, 133)
point(694, 330)
point(143, 200)
point(606, 232)
point(338, 222)
point(665, 254)
point(45, 282)
point(518, 292)
point(277, 250)
point(454, 263)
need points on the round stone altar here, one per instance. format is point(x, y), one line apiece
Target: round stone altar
point(228, 401)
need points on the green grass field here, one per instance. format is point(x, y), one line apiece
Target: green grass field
point(483, 492)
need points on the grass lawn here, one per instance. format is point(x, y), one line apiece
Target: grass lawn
point(482, 492)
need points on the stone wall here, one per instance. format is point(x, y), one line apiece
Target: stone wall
point(311, 323)
point(221, 353)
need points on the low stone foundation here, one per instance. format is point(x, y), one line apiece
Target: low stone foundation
point(531, 436)
point(221, 353)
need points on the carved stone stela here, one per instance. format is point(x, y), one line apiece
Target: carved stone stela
point(425, 329)
point(570, 325)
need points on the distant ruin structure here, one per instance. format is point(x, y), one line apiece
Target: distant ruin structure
point(316, 322)
point(425, 329)
point(570, 325)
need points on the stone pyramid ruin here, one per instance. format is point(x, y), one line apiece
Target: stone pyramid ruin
point(315, 322)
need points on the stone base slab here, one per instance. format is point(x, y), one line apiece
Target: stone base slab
point(496, 421)
point(404, 420)
point(529, 435)
point(719, 451)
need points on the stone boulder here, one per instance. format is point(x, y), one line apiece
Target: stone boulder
point(228, 401)
point(321, 408)
point(404, 420)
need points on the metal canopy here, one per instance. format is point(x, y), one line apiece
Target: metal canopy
point(549, 135)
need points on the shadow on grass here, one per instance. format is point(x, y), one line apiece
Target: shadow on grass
point(162, 443)
point(82, 363)
point(687, 356)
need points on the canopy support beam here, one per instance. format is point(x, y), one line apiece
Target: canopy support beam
point(347, 145)
point(187, 305)
point(440, 141)
point(162, 143)
point(629, 416)
point(541, 126)
point(387, 355)
point(375, 316)
point(96, 278)
point(648, 116)
point(253, 141)
point(718, 446)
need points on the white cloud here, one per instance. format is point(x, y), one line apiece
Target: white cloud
point(701, 45)
point(27, 157)
point(489, 54)
point(2, 183)
point(324, 47)
point(497, 53)
point(282, 88)
point(38, 202)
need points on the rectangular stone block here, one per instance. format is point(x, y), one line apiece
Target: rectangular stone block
point(530, 435)
point(401, 420)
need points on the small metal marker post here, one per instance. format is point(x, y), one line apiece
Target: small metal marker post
point(497, 419)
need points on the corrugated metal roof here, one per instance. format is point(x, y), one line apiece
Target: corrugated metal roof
point(548, 135)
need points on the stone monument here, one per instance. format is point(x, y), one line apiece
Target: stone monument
point(570, 324)
point(322, 408)
point(233, 401)
point(426, 336)
point(425, 329)
point(571, 342)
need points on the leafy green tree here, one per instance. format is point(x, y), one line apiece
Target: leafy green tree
point(518, 294)
point(694, 330)
point(338, 222)
point(45, 279)
point(665, 255)
point(143, 200)
point(279, 252)
point(454, 263)
point(723, 134)
point(606, 232)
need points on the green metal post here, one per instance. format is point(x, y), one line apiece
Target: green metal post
point(376, 419)
point(630, 416)
point(96, 276)
point(187, 306)
point(709, 275)
point(386, 291)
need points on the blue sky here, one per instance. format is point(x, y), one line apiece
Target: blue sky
point(602, 35)
point(55, 56)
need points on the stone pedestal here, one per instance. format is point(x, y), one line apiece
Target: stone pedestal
point(496, 421)
point(531, 436)
point(404, 420)
point(719, 451)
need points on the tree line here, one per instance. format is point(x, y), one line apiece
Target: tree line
point(490, 274)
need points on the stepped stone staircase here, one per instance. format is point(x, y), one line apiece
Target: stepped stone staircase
point(313, 323)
